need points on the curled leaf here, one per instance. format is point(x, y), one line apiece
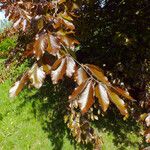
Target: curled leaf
point(16, 89)
point(36, 75)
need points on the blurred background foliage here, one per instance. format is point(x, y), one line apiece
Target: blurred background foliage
point(115, 35)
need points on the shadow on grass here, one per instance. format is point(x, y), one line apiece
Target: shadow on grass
point(125, 132)
point(50, 105)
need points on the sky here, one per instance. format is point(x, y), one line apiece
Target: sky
point(2, 15)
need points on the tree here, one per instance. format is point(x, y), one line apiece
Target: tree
point(47, 34)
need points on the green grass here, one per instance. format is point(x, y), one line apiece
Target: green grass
point(19, 127)
point(34, 121)
point(7, 43)
point(28, 123)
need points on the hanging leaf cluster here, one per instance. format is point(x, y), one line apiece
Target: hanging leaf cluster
point(51, 24)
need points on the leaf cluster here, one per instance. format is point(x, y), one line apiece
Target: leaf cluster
point(47, 35)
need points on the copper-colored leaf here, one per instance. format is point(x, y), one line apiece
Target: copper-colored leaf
point(102, 95)
point(47, 69)
point(118, 102)
point(68, 24)
point(58, 70)
point(57, 63)
point(36, 75)
point(147, 120)
point(122, 93)
point(61, 1)
point(80, 76)
point(57, 23)
point(68, 42)
point(66, 16)
point(98, 73)
point(17, 23)
point(86, 99)
point(63, 32)
point(40, 46)
point(63, 19)
point(53, 44)
point(29, 50)
point(78, 91)
point(24, 25)
point(147, 135)
point(40, 23)
point(70, 66)
point(16, 89)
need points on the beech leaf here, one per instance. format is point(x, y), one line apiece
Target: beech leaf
point(58, 70)
point(24, 25)
point(47, 69)
point(68, 24)
point(36, 75)
point(70, 66)
point(120, 104)
point(86, 99)
point(68, 41)
point(122, 93)
point(16, 89)
point(39, 46)
point(53, 45)
point(17, 23)
point(98, 73)
point(78, 91)
point(147, 135)
point(147, 120)
point(101, 94)
point(80, 76)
